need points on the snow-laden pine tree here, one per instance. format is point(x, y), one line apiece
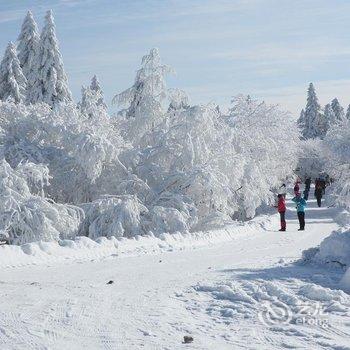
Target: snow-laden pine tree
point(96, 86)
point(338, 110)
point(27, 48)
point(51, 83)
point(12, 80)
point(347, 115)
point(178, 100)
point(301, 120)
point(329, 116)
point(144, 99)
point(91, 103)
point(314, 125)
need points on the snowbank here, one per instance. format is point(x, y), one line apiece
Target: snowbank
point(345, 281)
point(333, 250)
point(84, 248)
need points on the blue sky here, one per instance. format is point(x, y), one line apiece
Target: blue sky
point(270, 49)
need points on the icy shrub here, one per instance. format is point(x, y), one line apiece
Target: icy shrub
point(125, 216)
point(204, 189)
point(183, 205)
point(26, 217)
point(118, 216)
point(168, 220)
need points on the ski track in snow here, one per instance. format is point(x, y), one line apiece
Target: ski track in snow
point(213, 292)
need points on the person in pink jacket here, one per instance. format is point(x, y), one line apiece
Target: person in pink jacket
point(297, 188)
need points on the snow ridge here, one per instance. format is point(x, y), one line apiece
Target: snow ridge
point(84, 248)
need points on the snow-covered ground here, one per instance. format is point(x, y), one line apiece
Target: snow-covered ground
point(236, 288)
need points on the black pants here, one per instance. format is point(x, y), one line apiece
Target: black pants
point(319, 201)
point(283, 220)
point(301, 218)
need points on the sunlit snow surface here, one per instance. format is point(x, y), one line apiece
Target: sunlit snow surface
point(236, 288)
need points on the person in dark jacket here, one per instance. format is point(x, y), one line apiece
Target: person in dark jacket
point(318, 193)
point(281, 207)
point(307, 188)
point(300, 206)
point(308, 183)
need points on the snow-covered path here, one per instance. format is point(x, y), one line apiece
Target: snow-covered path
point(212, 293)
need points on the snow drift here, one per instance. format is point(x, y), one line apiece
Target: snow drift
point(333, 250)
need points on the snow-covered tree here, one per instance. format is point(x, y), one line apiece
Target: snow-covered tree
point(186, 161)
point(329, 116)
point(144, 99)
point(178, 100)
point(81, 152)
point(264, 139)
point(337, 155)
point(28, 44)
point(96, 86)
point(301, 120)
point(89, 103)
point(51, 83)
point(12, 80)
point(314, 122)
point(92, 102)
point(27, 217)
point(179, 168)
point(220, 170)
point(347, 115)
point(310, 158)
point(338, 110)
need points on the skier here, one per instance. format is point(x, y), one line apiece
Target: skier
point(281, 207)
point(318, 192)
point(307, 188)
point(300, 206)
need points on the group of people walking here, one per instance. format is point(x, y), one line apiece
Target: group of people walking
point(299, 200)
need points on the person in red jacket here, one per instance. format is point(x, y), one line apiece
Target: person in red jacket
point(281, 207)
